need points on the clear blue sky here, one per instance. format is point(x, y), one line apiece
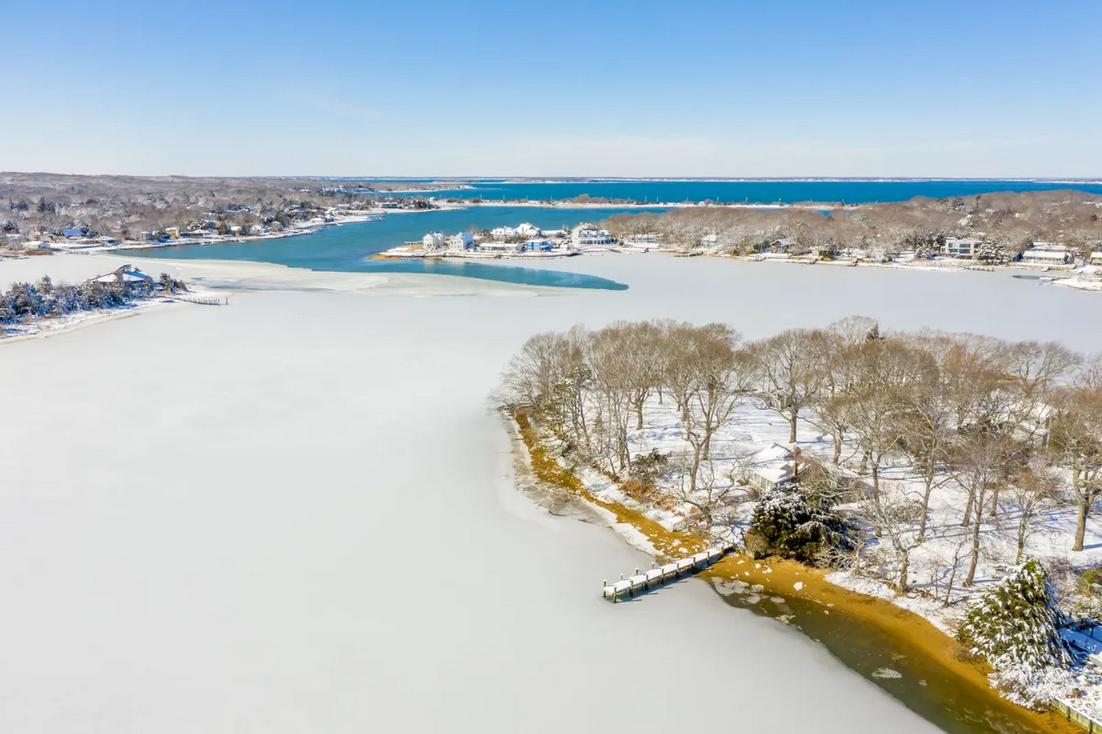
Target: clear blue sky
point(553, 88)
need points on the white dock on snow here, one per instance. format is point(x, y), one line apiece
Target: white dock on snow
point(204, 300)
point(655, 577)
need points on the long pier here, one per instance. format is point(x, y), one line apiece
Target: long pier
point(655, 577)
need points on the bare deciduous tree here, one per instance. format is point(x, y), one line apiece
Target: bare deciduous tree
point(1033, 489)
point(977, 468)
point(790, 368)
point(1077, 437)
point(895, 513)
point(719, 380)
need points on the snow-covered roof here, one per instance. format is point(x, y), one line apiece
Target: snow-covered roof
point(128, 276)
point(1044, 255)
point(773, 463)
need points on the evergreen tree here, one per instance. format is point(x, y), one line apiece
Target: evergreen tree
point(1014, 626)
point(793, 523)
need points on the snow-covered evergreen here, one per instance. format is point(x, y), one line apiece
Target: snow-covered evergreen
point(791, 523)
point(1014, 626)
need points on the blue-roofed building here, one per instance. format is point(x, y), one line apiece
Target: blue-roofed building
point(537, 246)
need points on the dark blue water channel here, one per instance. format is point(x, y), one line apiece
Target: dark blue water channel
point(768, 191)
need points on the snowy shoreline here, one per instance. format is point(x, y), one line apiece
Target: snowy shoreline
point(740, 574)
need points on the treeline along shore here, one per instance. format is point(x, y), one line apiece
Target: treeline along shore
point(955, 474)
point(43, 208)
point(1005, 224)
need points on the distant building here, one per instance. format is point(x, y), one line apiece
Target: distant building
point(503, 233)
point(1047, 253)
point(498, 246)
point(709, 241)
point(1035, 427)
point(460, 242)
point(584, 235)
point(173, 232)
point(642, 240)
point(963, 247)
point(767, 468)
point(782, 245)
point(74, 233)
point(433, 241)
point(1096, 258)
point(528, 230)
point(125, 274)
point(779, 465)
point(537, 246)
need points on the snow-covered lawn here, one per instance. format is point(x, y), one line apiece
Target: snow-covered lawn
point(757, 431)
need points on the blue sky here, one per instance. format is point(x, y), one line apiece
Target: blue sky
point(565, 88)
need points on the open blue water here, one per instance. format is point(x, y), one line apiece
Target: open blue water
point(348, 247)
point(753, 192)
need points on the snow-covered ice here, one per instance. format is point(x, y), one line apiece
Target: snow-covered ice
point(202, 509)
point(296, 513)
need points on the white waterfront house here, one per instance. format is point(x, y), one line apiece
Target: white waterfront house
point(586, 235)
point(963, 247)
point(528, 231)
point(460, 242)
point(1096, 258)
point(642, 241)
point(433, 241)
point(503, 233)
point(709, 241)
point(1047, 253)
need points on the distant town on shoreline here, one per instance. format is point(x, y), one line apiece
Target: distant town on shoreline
point(1054, 229)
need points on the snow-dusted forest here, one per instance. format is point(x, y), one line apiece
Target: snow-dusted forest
point(1008, 223)
point(923, 467)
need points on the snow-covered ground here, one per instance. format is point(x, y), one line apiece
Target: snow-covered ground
point(755, 439)
point(297, 513)
point(749, 440)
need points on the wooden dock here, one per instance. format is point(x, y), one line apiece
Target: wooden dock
point(1072, 713)
point(641, 582)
